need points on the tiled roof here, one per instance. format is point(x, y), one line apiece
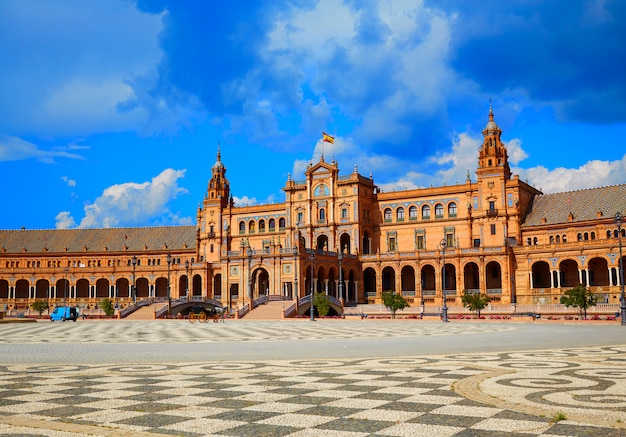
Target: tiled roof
point(576, 206)
point(98, 240)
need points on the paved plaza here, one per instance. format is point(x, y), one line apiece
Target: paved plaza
point(324, 378)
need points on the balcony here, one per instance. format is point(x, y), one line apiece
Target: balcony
point(492, 212)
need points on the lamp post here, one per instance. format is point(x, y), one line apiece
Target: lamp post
point(133, 287)
point(187, 284)
point(312, 257)
point(340, 258)
point(619, 221)
point(296, 260)
point(444, 309)
point(64, 286)
point(169, 298)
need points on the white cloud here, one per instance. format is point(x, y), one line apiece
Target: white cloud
point(64, 220)
point(244, 201)
point(594, 173)
point(131, 203)
point(14, 149)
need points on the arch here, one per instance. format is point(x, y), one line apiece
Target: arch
point(369, 281)
point(427, 280)
point(4, 289)
point(332, 282)
point(452, 209)
point(365, 247)
point(242, 227)
point(322, 243)
point(217, 286)
point(143, 288)
point(82, 289)
point(183, 286)
point(540, 272)
point(41, 289)
point(351, 291)
point(438, 210)
point(261, 226)
point(21, 289)
point(345, 243)
point(281, 224)
point(62, 288)
point(407, 280)
point(598, 272)
point(568, 272)
point(426, 212)
point(196, 285)
point(400, 214)
point(272, 225)
point(263, 282)
point(450, 276)
point(102, 288)
point(387, 214)
point(160, 287)
point(251, 227)
point(412, 212)
point(123, 287)
point(493, 276)
point(389, 279)
point(471, 277)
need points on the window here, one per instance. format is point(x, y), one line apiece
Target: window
point(400, 214)
point(564, 238)
point(452, 209)
point(551, 239)
point(211, 250)
point(242, 227)
point(392, 244)
point(608, 234)
point(344, 213)
point(586, 236)
point(439, 210)
point(492, 205)
point(493, 229)
point(261, 226)
point(580, 237)
point(593, 235)
point(558, 239)
point(420, 242)
point(300, 217)
point(529, 242)
point(252, 227)
point(387, 214)
point(450, 240)
point(272, 225)
point(412, 213)
point(426, 212)
point(281, 223)
point(535, 241)
point(322, 214)
point(476, 242)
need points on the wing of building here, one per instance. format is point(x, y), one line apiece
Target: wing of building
point(339, 234)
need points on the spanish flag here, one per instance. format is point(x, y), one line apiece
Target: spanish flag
point(327, 138)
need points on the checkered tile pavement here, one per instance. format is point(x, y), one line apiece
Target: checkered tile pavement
point(342, 398)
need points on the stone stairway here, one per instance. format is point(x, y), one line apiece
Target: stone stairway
point(268, 311)
point(144, 313)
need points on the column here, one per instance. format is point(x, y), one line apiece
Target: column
point(580, 275)
point(611, 276)
point(552, 279)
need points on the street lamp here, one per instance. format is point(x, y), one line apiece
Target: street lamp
point(169, 297)
point(444, 310)
point(312, 257)
point(619, 221)
point(249, 253)
point(133, 287)
point(340, 257)
point(187, 284)
point(296, 261)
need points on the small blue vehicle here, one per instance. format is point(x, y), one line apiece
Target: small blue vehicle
point(64, 313)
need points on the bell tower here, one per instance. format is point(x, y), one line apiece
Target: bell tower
point(218, 190)
point(493, 159)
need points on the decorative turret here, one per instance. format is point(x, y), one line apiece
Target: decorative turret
point(218, 185)
point(493, 158)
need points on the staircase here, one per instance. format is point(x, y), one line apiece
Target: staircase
point(144, 313)
point(268, 311)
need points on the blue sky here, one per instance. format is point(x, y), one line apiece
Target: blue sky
point(111, 111)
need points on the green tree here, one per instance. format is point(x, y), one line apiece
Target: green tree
point(322, 303)
point(394, 302)
point(474, 301)
point(107, 306)
point(40, 306)
point(579, 297)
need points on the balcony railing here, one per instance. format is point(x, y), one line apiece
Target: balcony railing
point(492, 212)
